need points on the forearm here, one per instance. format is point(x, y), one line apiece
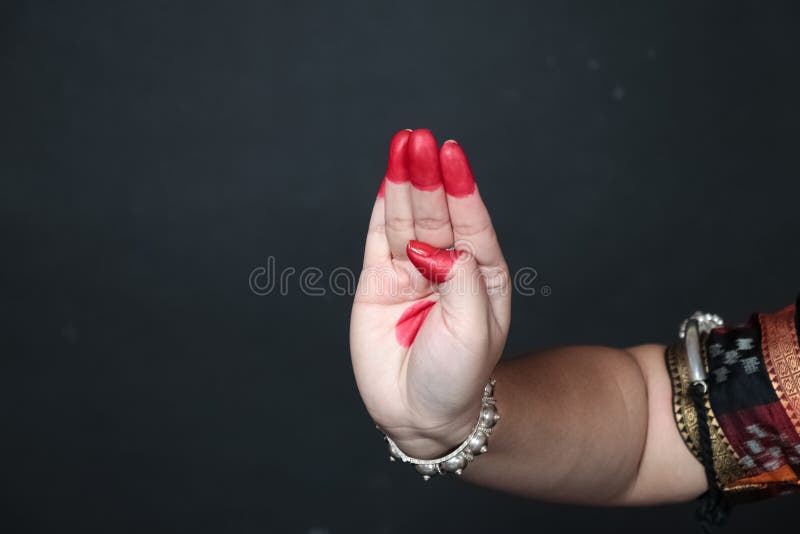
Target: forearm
point(588, 425)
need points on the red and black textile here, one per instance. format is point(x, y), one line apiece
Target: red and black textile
point(754, 388)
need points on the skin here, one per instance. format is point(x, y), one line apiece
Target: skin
point(411, 321)
point(590, 425)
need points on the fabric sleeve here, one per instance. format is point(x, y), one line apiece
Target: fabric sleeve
point(753, 404)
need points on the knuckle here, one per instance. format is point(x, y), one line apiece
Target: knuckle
point(377, 228)
point(431, 223)
point(472, 229)
point(496, 279)
point(399, 224)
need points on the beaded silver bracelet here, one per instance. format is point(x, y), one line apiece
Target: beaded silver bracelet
point(456, 461)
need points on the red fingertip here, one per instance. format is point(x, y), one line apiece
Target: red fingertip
point(456, 172)
point(423, 160)
point(397, 168)
point(433, 263)
point(422, 249)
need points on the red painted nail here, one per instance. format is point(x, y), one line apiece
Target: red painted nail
point(397, 168)
point(456, 173)
point(433, 263)
point(423, 161)
point(421, 249)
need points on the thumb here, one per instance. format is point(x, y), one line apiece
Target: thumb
point(456, 276)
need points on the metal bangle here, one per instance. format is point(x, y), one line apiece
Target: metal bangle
point(690, 330)
point(706, 322)
point(456, 461)
point(713, 509)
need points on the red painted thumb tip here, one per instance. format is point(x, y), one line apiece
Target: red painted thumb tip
point(433, 263)
point(420, 248)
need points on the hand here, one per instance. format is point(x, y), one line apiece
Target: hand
point(428, 324)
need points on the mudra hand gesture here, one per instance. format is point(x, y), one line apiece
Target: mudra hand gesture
point(432, 307)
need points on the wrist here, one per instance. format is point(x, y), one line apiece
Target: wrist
point(435, 442)
point(431, 452)
point(428, 440)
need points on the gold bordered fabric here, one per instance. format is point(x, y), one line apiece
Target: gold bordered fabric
point(753, 404)
point(782, 358)
point(726, 463)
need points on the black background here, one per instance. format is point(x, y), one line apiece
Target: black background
point(641, 156)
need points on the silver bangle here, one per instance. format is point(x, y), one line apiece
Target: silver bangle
point(706, 322)
point(690, 331)
point(456, 461)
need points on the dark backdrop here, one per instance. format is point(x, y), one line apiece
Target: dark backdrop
point(642, 157)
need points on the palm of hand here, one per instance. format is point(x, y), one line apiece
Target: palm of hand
point(428, 325)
